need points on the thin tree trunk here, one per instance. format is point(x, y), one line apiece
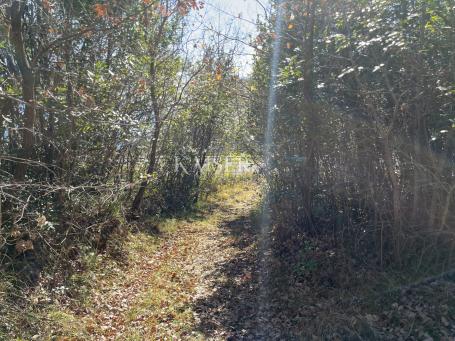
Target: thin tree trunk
point(396, 197)
point(311, 113)
point(137, 202)
point(28, 88)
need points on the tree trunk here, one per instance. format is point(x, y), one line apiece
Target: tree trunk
point(137, 202)
point(310, 112)
point(396, 196)
point(28, 88)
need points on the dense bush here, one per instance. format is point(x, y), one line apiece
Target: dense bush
point(364, 140)
point(98, 101)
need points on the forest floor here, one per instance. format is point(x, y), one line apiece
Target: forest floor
point(199, 277)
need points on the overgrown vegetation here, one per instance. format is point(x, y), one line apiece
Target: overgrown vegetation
point(119, 119)
point(108, 112)
point(147, 293)
point(364, 140)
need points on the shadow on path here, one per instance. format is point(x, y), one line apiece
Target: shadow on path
point(230, 309)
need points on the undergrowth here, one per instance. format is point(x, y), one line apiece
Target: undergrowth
point(61, 303)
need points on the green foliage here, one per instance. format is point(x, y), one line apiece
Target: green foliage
point(363, 139)
point(104, 76)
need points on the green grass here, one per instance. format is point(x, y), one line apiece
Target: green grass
point(65, 323)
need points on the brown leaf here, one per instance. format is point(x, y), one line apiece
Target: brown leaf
point(15, 232)
point(100, 10)
point(41, 221)
point(24, 245)
point(46, 5)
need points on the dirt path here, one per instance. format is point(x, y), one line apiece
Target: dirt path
point(201, 283)
point(199, 279)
